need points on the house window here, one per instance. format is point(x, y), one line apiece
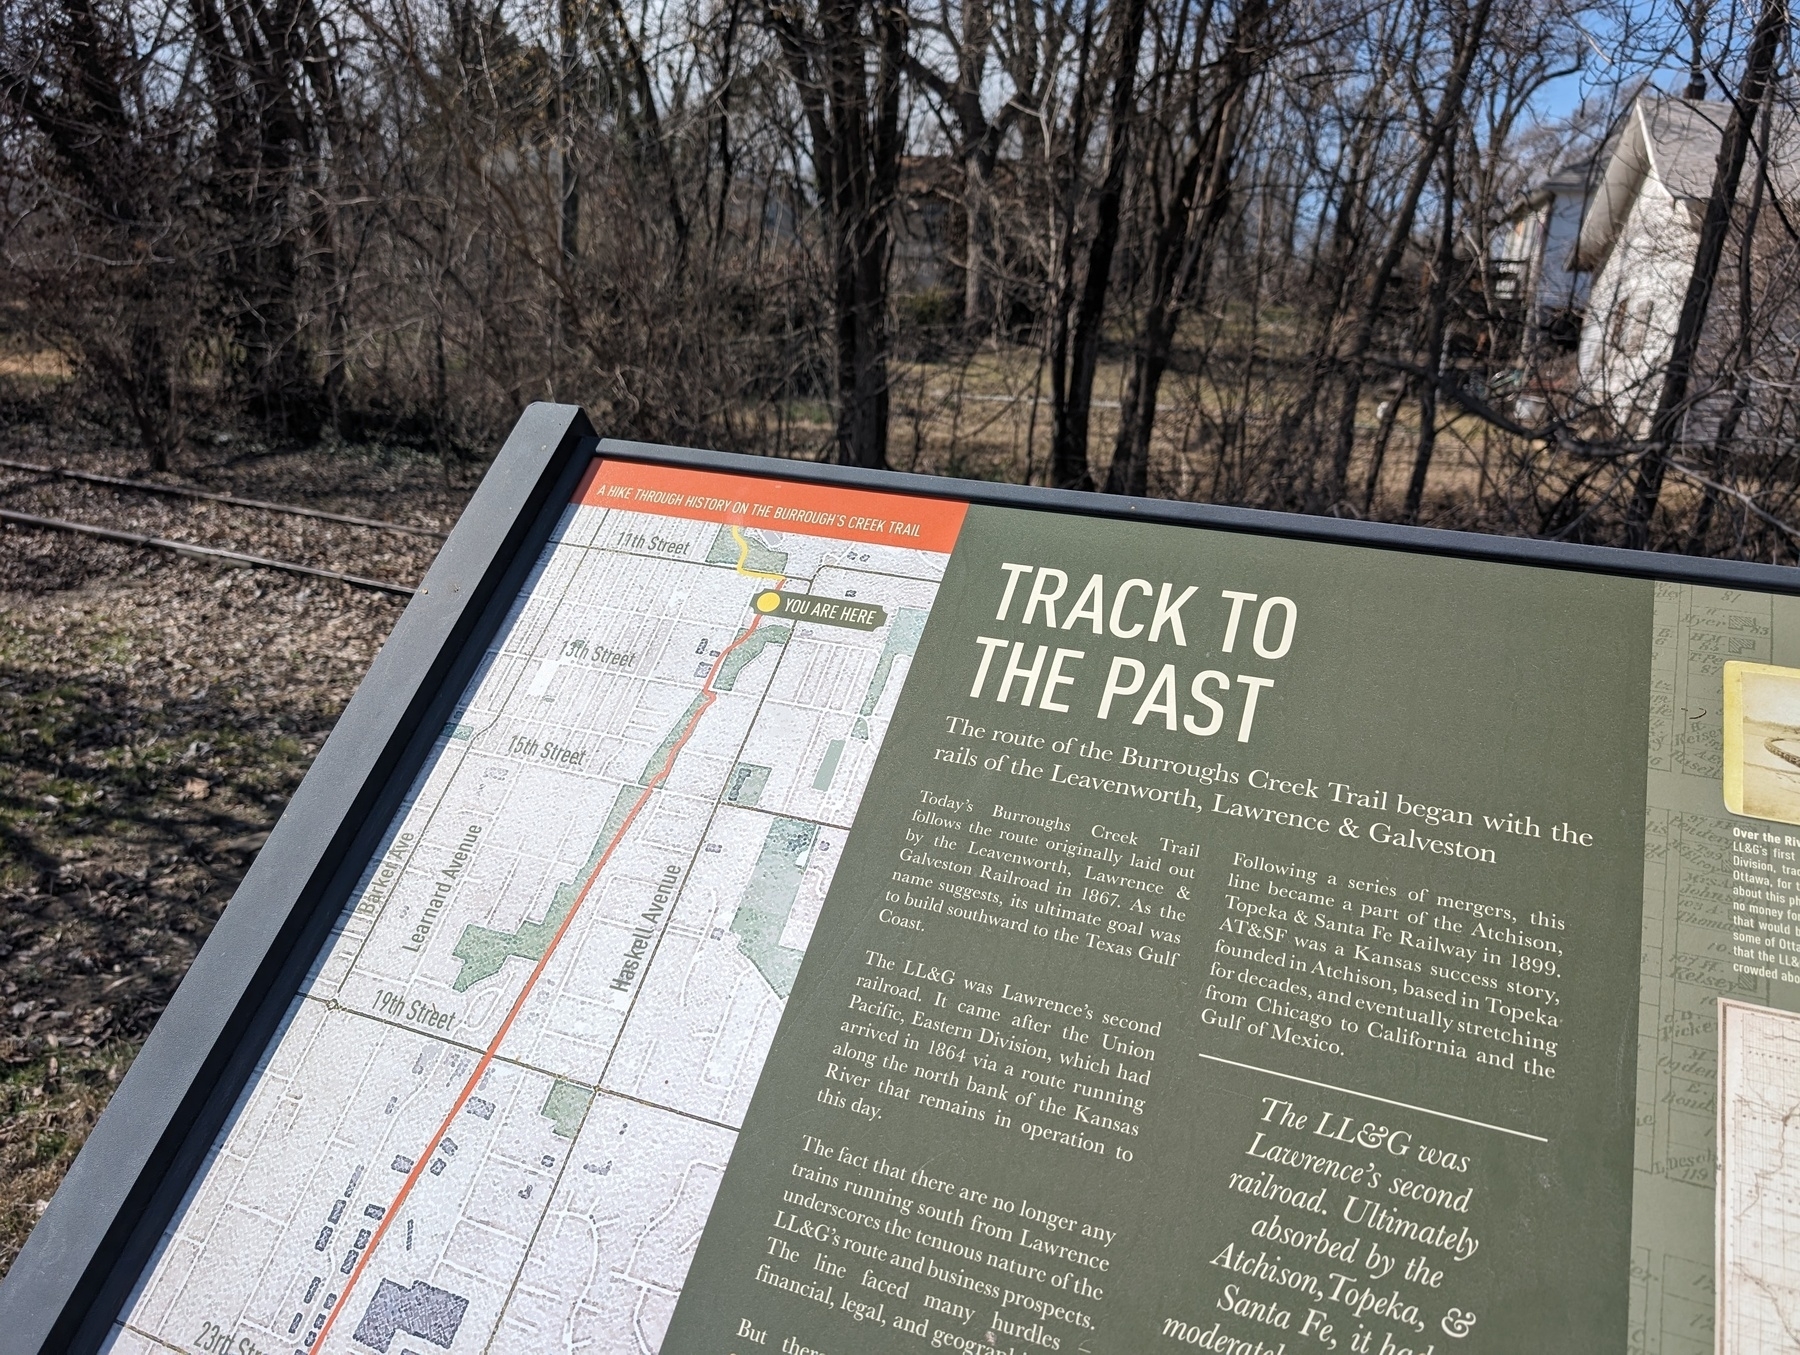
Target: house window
point(1639, 329)
point(1616, 324)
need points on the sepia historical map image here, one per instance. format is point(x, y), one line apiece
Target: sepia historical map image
point(1759, 1179)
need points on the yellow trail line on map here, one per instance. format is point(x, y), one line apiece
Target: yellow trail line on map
point(743, 543)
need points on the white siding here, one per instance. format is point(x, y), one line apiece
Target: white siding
point(1633, 307)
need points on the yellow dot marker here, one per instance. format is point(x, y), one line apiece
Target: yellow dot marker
point(767, 602)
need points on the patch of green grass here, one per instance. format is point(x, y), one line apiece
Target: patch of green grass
point(47, 1108)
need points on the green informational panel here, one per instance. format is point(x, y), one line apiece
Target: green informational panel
point(1209, 965)
point(826, 916)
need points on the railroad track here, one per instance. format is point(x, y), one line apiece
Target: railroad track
point(195, 549)
point(195, 492)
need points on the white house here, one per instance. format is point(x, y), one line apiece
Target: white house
point(1533, 253)
point(1638, 241)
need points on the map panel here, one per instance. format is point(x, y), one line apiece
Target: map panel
point(615, 1244)
point(495, 1117)
point(1694, 961)
point(1759, 1179)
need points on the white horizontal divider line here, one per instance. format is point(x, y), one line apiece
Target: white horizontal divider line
point(1370, 1096)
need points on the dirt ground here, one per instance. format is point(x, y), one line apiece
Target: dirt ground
point(156, 712)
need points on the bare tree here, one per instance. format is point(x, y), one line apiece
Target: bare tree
point(1294, 239)
point(1469, 29)
point(1715, 225)
point(1075, 335)
point(855, 138)
point(66, 74)
point(1186, 215)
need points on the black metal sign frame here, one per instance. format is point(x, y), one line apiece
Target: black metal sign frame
point(90, 1246)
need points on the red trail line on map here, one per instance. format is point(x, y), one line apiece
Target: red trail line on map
point(424, 1157)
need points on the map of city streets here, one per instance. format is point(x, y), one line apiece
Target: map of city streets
point(499, 1110)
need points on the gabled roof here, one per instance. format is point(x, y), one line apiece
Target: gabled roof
point(1674, 140)
point(1677, 141)
point(1571, 179)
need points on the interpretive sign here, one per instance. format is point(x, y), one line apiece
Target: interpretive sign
point(814, 912)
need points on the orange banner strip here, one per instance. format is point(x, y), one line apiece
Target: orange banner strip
point(868, 516)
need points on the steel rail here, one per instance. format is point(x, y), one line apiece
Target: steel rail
point(192, 492)
point(197, 551)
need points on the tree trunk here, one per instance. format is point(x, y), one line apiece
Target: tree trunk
point(1715, 225)
point(1069, 441)
point(1744, 355)
point(980, 261)
point(1434, 338)
point(1448, 110)
point(1181, 250)
point(568, 219)
point(856, 138)
point(867, 145)
point(1384, 433)
point(1056, 338)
